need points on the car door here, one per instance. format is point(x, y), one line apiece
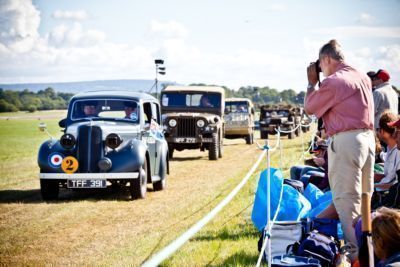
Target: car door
point(148, 134)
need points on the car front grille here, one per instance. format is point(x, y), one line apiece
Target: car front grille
point(186, 127)
point(90, 148)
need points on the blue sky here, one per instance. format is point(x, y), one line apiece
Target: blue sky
point(233, 43)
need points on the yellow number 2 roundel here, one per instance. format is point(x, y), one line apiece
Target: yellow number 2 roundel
point(69, 164)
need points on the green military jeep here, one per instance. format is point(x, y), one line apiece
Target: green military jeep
point(193, 118)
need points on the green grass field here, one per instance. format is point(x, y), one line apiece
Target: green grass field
point(109, 230)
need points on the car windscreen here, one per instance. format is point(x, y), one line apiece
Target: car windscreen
point(191, 99)
point(106, 108)
point(236, 106)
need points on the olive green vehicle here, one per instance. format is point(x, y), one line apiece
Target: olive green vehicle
point(285, 118)
point(239, 119)
point(193, 117)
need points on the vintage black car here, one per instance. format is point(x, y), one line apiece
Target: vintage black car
point(110, 138)
point(193, 118)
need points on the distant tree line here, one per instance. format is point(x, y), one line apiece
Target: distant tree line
point(265, 95)
point(26, 100)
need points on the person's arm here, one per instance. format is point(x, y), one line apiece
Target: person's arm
point(319, 101)
point(329, 213)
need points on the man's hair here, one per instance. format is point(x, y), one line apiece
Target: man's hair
point(332, 49)
point(386, 226)
point(386, 117)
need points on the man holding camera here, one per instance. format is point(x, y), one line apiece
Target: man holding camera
point(344, 101)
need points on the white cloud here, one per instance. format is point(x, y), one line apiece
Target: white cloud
point(360, 32)
point(366, 18)
point(171, 29)
point(276, 7)
point(19, 23)
point(64, 35)
point(70, 14)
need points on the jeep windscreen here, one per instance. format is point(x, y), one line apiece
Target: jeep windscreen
point(106, 109)
point(236, 107)
point(182, 100)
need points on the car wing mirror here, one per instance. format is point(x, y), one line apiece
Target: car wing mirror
point(43, 128)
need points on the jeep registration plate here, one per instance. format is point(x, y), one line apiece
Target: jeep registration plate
point(185, 140)
point(86, 183)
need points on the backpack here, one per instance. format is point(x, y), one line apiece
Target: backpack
point(317, 246)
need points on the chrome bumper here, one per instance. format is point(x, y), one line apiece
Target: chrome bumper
point(103, 176)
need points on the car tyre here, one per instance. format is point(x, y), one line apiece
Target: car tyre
point(138, 186)
point(49, 189)
point(162, 183)
point(213, 148)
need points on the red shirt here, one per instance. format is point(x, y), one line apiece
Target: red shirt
point(344, 101)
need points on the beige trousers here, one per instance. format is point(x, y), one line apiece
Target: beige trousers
point(351, 157)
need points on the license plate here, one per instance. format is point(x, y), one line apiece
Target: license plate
point(185, 140)
point(86, 183)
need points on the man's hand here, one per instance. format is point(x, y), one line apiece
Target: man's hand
point(312, 74)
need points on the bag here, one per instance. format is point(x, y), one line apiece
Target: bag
point(296, 184)
point(291, 260)
point(282, 235)
point(328, 227)
point(319, 246)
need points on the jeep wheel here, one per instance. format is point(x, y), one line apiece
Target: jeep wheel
point(298, 130)
point(170, 152)
point(138, 186)
point(263, 134)
point(221, 147)
point(250, 139)
point(292, 135)
point(213, 148)
point(160, 185)
point(49, 189)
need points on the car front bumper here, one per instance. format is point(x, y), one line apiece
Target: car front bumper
point(83, 176)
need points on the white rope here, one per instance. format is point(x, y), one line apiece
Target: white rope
point(177, 243)
point(291, 131)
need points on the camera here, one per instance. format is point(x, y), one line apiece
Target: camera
point(317, 66)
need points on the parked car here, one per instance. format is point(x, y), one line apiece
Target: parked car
point(110, 138)
point(239, 119)
point(193, 118)
point(286, 118)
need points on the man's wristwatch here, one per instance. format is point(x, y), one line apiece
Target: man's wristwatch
point(310, 86)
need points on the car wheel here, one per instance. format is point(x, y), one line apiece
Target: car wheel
point(138, 186)
point(49, 189)
point(160, 185)
point(213, 148)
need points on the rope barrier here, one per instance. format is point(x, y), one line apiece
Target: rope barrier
point(177, 243)
point(183, 238)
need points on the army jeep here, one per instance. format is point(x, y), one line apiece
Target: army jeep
point(239, 119)
point(286, 118)
point(193, 118)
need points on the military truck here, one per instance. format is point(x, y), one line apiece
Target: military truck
point(239, 119)
point(193, 117)
point(286, 118)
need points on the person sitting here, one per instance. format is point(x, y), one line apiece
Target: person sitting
point(90, 109)
point(392, 158)
point(130, 109)
point(386, 236)
point(205, 102)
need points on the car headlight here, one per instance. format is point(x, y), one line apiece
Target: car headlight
point(113, 140)
point(67, 141)
point(200, 123)
point(172, 122)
